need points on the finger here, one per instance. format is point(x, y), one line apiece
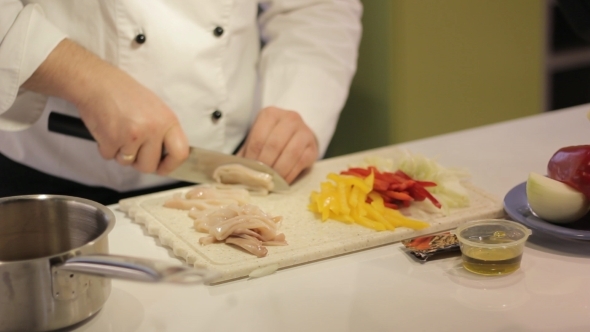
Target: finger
point(290, 155)
point(241, 151)
point(127, 146)
point(306, 160)
point(277, 134)
point(177, 150)
point(300, 153)
point(148, 156)
point(108, 152)
point(127, 154)
point(260, 132)
point(126, 159)
point(108, 149)
point(280, 137)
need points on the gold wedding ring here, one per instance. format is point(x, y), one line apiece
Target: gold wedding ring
point(127, 157)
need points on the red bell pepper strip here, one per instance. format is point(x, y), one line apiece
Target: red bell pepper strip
point(391, 205)
point(430, 197)
point(397, 189)
point(426, 183)
point(361, 171)
point(399, 195)
point(380, 185)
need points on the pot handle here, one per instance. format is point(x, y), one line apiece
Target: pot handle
point(137, 269)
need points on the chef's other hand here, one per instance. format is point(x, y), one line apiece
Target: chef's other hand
point(129, 122)
point(280, 139)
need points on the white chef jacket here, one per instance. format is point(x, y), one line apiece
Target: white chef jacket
point(198, 56)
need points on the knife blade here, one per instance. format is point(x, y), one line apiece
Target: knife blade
point(197, 168)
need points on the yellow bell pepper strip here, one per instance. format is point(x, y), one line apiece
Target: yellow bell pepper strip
point(342, 194)
point(399, 220)
point(350, 199)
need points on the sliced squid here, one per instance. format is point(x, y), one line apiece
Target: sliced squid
point(251, 245)
point(212, 192)
point(226, 216)
point(242, 175)
point(207, 197)
point(247, 227)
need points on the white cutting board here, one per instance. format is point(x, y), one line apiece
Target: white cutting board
point(309, 238)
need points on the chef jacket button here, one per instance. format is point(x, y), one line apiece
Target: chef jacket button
point(216, 115)
point(140, 38)
point(218, 31)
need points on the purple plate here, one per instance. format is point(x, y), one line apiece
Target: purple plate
point(517, 207)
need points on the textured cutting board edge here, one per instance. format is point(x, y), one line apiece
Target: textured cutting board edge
point(363, 239)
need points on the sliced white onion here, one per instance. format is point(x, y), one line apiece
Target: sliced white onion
point(555, 201)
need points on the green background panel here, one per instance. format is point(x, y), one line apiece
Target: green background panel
point(430, 67)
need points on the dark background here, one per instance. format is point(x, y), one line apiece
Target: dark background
point(569, 78)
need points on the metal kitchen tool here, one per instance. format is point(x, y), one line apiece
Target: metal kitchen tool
point(55, 266)
point(197, 168)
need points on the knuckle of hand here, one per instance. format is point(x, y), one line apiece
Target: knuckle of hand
point(255, 147)
point(292, 116)
point(273, 146)
point(133, 133)
point(309, 157)
point(273, 112)
point(183, 154)
point(268, 109)
point(106, 154)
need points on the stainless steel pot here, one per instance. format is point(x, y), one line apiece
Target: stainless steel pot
point(54, 265)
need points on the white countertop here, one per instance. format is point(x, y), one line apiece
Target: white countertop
point(384, 289)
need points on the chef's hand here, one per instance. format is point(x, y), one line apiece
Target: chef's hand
point(129, 122)
point(131, 125)
point(281, 139)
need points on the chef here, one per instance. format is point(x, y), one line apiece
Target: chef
point(264, 80)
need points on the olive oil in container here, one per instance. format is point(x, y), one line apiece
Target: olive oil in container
point(492, 247)
point(491, 261)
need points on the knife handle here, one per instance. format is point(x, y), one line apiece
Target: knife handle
point(72, 126)
point(68, 125)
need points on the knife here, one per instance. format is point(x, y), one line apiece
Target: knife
point(197, 168)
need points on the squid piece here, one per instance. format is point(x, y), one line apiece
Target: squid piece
point(197, 204)
point(245, 226)
point(206, 198)
point(251, 245)
point(206, 192)
point(242, 175)
point(226, 216)
point(279, 240)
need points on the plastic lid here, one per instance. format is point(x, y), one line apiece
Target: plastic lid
point(492, 233)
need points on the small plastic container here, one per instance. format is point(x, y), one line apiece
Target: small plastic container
point(492, 246)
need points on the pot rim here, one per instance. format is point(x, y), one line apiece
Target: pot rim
point(110, 215)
